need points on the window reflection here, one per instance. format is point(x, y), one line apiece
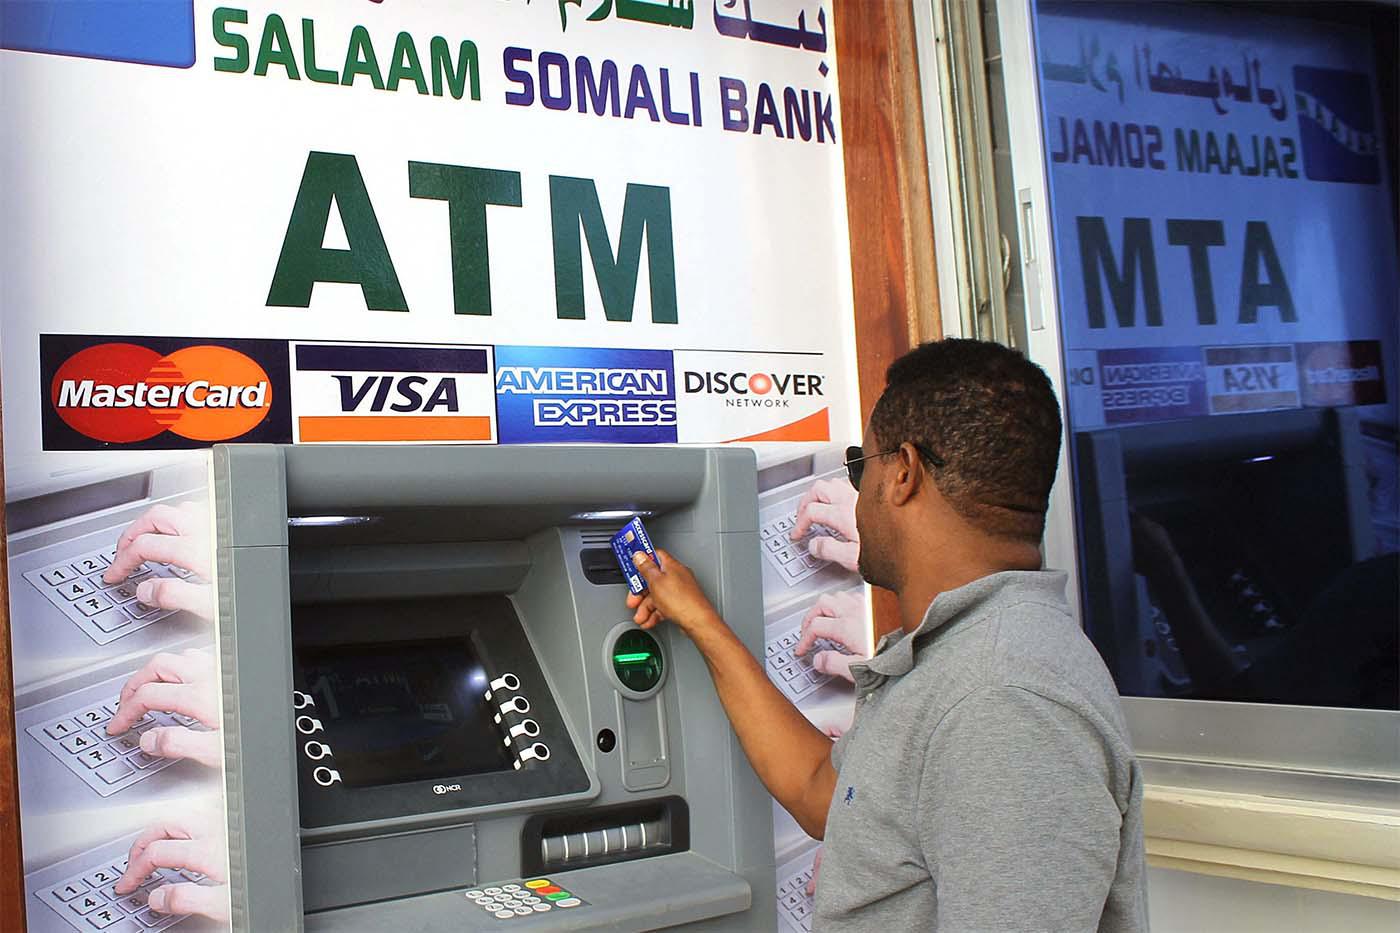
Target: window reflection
point(1221, 187)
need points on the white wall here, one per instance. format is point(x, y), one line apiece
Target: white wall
point(1182, 902)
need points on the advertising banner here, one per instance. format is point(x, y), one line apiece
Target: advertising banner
point(382, 221)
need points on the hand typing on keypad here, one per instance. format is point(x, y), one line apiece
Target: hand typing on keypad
point(816, 870)
point(174, 535)
point(194, 847)
point(830, 503)
point(835, 628)
point(184, 686)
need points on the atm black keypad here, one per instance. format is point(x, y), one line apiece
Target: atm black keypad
point(105, 612)
point(88, 901)
point(106, 763)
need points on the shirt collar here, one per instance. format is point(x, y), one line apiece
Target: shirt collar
point(894, 655)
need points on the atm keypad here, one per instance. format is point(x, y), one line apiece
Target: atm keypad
point(104, 612)
point(515, 899)
point(106, 763)
point(794, 903)
point(88, 901)
point(790, 557)
point(795, 675)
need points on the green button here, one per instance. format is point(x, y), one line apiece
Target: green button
point(558, 896)
point(636, 660)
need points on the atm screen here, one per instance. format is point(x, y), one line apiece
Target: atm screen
point(403, 711)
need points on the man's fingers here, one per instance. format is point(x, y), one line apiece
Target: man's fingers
point(829, 627)
point(160, 519)
point(834, 663)
point(633, 600)
point(167, 667)
point(198, 855)
point(172, 549)
point(129, 879)
point(845, 553)
point(207, 748)
point(817, 492)
point(819, 513)
point(190, 553)
point(824, 606)
point(188, 898)
point(645, 566)
point(170, 593)
point(189, 699)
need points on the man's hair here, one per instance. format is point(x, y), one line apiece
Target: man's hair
point(991, 415)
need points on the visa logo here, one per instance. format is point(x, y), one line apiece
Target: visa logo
point(397, 393)
point(393, 393)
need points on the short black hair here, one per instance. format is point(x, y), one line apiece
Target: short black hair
point(991, 415)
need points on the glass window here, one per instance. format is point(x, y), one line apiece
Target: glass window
point(1222, 204)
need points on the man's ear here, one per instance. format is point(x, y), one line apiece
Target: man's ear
point(906, 476)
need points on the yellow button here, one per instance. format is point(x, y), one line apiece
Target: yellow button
point(537, 883)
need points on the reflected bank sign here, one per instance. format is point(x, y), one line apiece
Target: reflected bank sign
point(1221, 209)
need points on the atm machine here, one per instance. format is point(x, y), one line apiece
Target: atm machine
point(438, 713)
point(1262, 510)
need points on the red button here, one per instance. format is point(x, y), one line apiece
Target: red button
point(549, 889)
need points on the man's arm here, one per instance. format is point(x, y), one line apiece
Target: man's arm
point(791, 756)
point(1019, 826)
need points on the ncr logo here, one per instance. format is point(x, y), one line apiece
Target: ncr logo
point(392, 393)
point(161, 392)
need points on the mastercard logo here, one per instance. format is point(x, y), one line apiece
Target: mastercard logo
point(122, 393)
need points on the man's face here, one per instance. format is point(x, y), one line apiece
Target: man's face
point(876, 562)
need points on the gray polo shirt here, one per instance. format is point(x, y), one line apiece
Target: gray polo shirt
point(988, 782)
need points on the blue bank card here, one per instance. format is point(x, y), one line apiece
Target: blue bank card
point(633, 538)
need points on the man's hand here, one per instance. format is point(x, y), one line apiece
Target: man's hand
point(837, 617)
point(816, 870)
point(171, 535)
point(174, 683)
point(181, 843)
point(830, 502)
point(672, 593)
point(790, 756)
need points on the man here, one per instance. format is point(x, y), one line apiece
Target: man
point(988, 782)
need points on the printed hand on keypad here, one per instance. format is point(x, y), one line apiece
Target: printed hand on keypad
point(193, 846)
point(175, 535)
point(833, 722)
point(182, 684)
point(834, 626)
point(832, 503)
point(816, 870)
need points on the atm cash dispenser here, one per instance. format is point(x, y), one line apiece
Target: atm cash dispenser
point(439, 714)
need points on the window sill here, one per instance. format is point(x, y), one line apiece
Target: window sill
point(1324, 846)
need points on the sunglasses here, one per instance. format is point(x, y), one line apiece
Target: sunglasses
point(856, 457)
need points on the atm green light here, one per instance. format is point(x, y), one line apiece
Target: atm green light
point(637, 661)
